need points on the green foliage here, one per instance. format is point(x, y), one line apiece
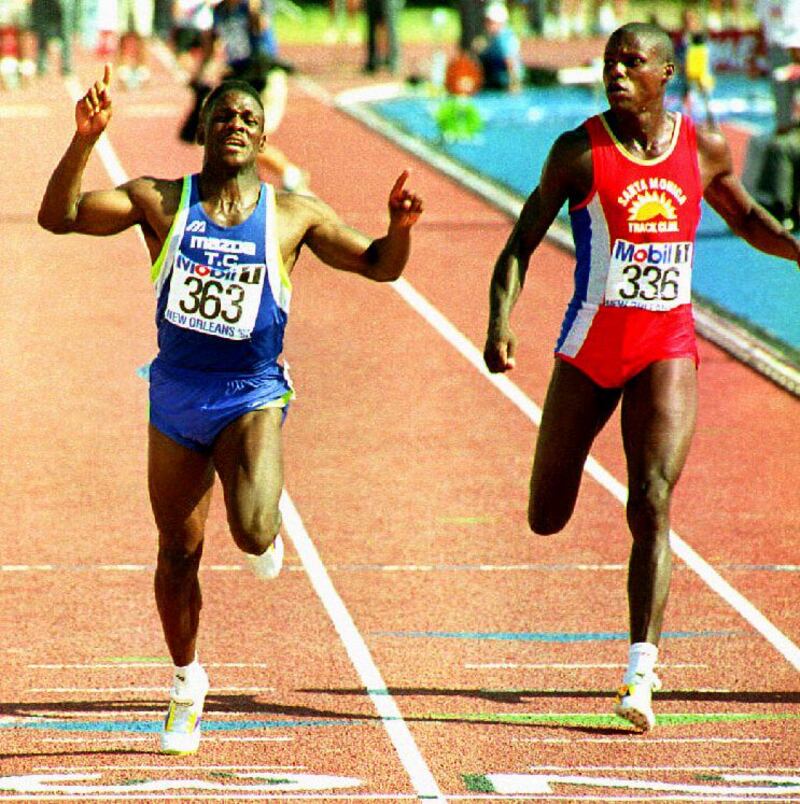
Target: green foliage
point(458, 119)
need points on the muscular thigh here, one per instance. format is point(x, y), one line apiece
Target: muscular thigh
point(575, 410)
point(248, 456)
point(659, 409)
point(180, 482)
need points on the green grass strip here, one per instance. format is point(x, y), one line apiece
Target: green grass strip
point(477, 783)
point(606, 721)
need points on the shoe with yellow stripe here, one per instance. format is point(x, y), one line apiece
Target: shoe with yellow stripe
point(181, 731)
point(634, 700)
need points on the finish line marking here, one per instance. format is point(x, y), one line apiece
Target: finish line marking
point(145, 664)
point(541, 783)
point(122, 738)
point(644, 743)
point(572, 666)
point(122, 690)
point(411, 758)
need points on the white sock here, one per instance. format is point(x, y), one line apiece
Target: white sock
point(642, 658)
point(189, 671)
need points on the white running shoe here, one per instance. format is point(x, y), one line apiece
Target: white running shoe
point(269, 563)
point(181, 731)
point(634, 701)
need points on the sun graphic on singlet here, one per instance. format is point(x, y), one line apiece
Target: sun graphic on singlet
point(652, 205)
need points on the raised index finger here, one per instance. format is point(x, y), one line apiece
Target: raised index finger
point(398, 185)
point(107, 74)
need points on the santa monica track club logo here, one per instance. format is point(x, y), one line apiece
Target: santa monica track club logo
point(651, 205)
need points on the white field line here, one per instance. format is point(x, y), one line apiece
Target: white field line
point(145, 665)
point(571, 666)
point(413, 761)
point(123, 690)
point(409, 754)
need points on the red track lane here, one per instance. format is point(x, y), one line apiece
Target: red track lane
point(410, 473)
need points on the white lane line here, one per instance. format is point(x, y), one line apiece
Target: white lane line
point(121, 690)
point(668, 768)
point(575, 666)
point(20, 111)
point(397, 729)
point(518, 397)
point(145, 665)
point(121, 738)
point(74, 715)
point(410, 756)
point(643, 743)
point(170, 767)
point(118, 738)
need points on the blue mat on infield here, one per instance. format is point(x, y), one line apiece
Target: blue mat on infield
point(760, 291)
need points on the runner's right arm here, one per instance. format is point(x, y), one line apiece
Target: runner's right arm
point(64, 207)
point(564, 177)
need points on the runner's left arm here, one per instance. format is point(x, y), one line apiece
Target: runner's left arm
point(382, 259)
point(743, 214)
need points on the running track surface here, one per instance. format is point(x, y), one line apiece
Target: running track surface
point(420, 642)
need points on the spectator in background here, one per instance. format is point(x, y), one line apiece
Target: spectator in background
point(772, 164)
point(192, 38)
point(383, 47)
point(780, 26)
point(243, 32)
point(17, 43)
point(470, 17)
point(693, 64)
point(571, 18)
point(500, 58)
point(779, 182)
point(54, 19)
point(724, 14)
point(136, 27)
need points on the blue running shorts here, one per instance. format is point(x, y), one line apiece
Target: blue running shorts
point(193, 407)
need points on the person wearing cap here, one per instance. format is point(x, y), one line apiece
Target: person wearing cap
point(500, 58)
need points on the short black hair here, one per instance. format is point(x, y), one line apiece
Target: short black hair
point(653, 34)
point(230, 85)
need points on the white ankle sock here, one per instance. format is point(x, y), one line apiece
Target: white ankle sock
point(189, 671)
point(642, 658)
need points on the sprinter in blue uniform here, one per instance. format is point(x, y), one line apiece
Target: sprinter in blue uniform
point(223, 245)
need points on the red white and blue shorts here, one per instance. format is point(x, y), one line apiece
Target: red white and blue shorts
point(620, 342)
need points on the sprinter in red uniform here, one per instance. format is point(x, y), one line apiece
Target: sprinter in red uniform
point(634, 178)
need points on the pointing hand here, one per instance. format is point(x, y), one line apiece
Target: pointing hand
point(93, 110)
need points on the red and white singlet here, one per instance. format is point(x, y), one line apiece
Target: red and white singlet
point(634, 245)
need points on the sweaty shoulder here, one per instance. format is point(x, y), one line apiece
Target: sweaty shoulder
point(569, 164)
point(713, 153)
point(298, 214)
point(158, 200)
point(573, 144)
